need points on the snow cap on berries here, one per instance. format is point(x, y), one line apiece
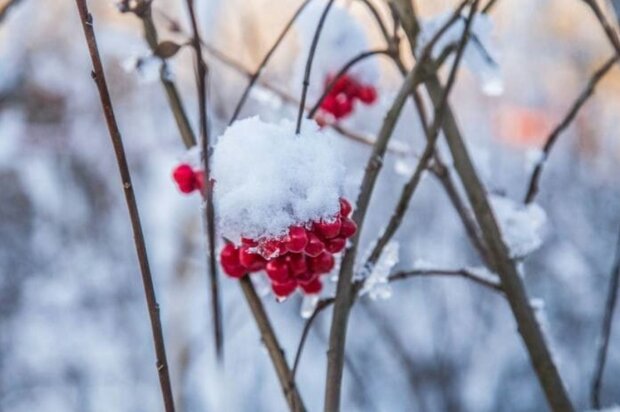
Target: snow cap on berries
point(268, 179)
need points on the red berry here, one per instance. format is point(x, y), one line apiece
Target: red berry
point(341, 84)
point(250, 260)
point(313, 287)
point(184, 176)
point(323, 263)
point(327, 229)
point(283, 290)
point(245, 241)
point(345, 207)
point(199, 178)
point(329, 104)
point(277, 270)
point(297, 263)
point(343, 106)
point(335, 245)
point(229, 258)
point(296, 240)
point(367, 94)
point(306, 277)
point(348, 228)
point(271, 248)
point(315, 246)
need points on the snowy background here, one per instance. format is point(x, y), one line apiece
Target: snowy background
point(74, 331)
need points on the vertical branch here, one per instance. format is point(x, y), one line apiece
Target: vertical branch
point(306, 82)
point(603, 343)
point(270, 340)
point(201, 82)
point(117, 142)
point(263, 63)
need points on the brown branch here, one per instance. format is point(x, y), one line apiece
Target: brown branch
point(117, 142)
point(357, 59)
point(207, 190)
point(6, 7)
point(511, 281)
point(377, 17)
point(603, 342)
point(489, 6)
point(583, 97)
point(254, 77)
point(308, 69)
point(611, 34)
point(270, 340)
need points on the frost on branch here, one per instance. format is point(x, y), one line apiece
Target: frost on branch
point(522, 226)
point(479, 56)
point(268, 179)
point(376, 282)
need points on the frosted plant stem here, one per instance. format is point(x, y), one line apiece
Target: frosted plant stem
point(603, 343)
point(587, 92)
point(285, 376)
point(254, 76)
point(117, 142)
point(308, 69)
point(512, 284)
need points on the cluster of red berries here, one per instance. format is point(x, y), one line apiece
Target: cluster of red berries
point(297, 259)
point(188, 179)
point(346, 89)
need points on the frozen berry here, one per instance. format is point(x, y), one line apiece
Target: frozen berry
point(315, 246)
point(345, 207)
point(249, 242)
point(184, 176)
point(348, 228)
point(296, 240)
point(250, 260)
point(335, 245)
point(367, 94)
point(283, 290)
point(323, 263)
point(328, 229)
point(271, 248)
point(296, 263)
point(312, 287)
point(277, 270)
point(229, 258)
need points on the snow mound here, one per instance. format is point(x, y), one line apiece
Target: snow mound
point(267, 178)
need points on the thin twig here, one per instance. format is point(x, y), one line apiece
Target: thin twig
point(5, 7)
point(375, 13)
point(603, 342)
point(308, 69)
point(322, 304)
point(583, 97)
point(357, 59)
point(511, 281)
point(610, 32)
point(254, 77)
point(116, 138)
point(201, 83)
point(489, 6)
point(270, 340)
point(423, 163)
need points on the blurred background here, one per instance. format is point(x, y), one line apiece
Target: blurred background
point(74, 330)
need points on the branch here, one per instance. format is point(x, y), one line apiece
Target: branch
point(308, 69)
point(263, 63)
point(270, 340)
point(603, 342)
point(117, 142)
point(5, 7)
point(583, 97)
point(207, 190)
point(611, 34)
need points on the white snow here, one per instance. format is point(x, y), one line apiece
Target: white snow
point(377, 284)
point(479, 55)
point(267, 178)
point(523, 226)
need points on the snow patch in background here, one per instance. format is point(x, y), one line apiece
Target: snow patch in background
point(267, 178)
point(377, 283)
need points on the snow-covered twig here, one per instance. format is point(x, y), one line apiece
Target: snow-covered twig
point(532, 188)
point(603, 342)
point(140, 245)
point(254, 77)
point(464, 273)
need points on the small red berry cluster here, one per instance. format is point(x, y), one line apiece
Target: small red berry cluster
point(297, 259)
point(188, 179)
point(346, 89)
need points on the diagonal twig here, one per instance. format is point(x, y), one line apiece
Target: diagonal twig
point(117, 142)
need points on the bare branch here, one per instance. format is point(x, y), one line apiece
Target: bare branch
point(603, 342)
point(583, 97)
point(308, 69)
point(6, 6)
point(134, 215)
point(270, 340)
point(464, 273)
point(611, 34)
point(254, 77)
